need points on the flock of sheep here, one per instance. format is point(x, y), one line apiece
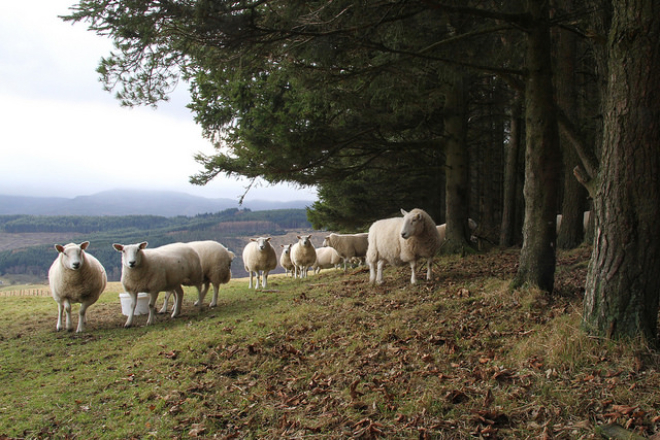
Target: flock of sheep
point(77, 277)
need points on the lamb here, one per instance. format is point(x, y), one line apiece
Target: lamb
point(303, 255)
point(326, 258)
point(259, 258)
point(164, 268)
point(75, 277)
point(216, 269)
point(442, 229)
point(348, 246)
point(402, 240)
point(285, 259)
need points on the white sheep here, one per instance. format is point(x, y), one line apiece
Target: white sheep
point(442, 229)
point(303, 255)
point(348, 246)
point(326, 258)
point(285, 259)
point(75, 277)
point(216, 269)
point(402, 240)
point(586, 218)
point(164, 268)
point(259, 258)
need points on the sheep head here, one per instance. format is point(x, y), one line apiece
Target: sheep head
point(262, 242)
point(72, 255)
point(131, 254)
point(413, 223)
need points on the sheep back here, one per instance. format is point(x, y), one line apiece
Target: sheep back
point(215, 260)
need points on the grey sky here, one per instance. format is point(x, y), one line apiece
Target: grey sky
point(61, 134)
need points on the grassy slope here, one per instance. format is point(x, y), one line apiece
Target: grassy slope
point(331, 356)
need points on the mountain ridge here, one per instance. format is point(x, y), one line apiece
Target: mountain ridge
point(130, 202)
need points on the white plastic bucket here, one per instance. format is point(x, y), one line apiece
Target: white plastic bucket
point(142, 307)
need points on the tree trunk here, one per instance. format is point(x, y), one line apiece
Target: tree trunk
point(574, 197)
point(621, 298)
point(542, 159)
point(457, 175)
point(508, 226)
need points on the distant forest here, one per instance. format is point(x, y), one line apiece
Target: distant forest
point(227, 227)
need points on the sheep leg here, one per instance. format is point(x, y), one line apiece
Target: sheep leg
point(152, 307)
point(202, 294)
point(250, 286)
point(413, 268)
point(67, 308)
point(372, 272)
point(60, 315)
point(131, 313)
point(429, 275)
point(264, 279)
point(165, 302)
point(379, 272)
point(214, 301)
point(81, 317)
point(178, 292)
point(258, 275)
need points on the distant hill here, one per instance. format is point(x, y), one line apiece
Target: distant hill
point(127, 202)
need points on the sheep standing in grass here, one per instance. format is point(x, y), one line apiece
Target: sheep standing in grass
point(326, 258)
point(402, 240)
point(348, 246)
point(285, 259)
point(216, 269)
point(75, 277)
point(303, 255)
point(259, 258)
point(164, 268)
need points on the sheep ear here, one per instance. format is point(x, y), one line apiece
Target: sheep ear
point(268, 238)
point(84, 245)
point(118, 247)
point(309, 236)
point(403, 211)
point(143, 245)
point(59, 248)
point(253, 239)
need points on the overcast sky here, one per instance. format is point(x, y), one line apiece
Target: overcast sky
point(62, 135)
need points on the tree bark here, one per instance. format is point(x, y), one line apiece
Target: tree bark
point(508, 226)
point(574, 198)
point(621, 298)
point(457, 174)
point(542, 160)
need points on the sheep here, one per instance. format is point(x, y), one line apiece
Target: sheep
point(75, 277)
point(326, 258)
point(285, 259)
point(348, 246)
point(442, 229)
point(216, 269)
point(303, 255)
point(402, 240)
point(259, 258)
point(586, 218)
point(164, 268)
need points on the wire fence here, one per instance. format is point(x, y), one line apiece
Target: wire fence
point(26, 292)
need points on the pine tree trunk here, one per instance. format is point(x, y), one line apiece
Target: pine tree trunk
point(542, 160)
point(621, 298)
point(574, 197)
point(508, 226)
point(457, 175)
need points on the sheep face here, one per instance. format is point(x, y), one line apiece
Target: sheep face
point(72, 255)
point(305, 240)
point(413, 223)
point(262, 242)
point(131, 254)
point(286, 249)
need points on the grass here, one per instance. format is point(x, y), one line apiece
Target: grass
point(462, 356)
